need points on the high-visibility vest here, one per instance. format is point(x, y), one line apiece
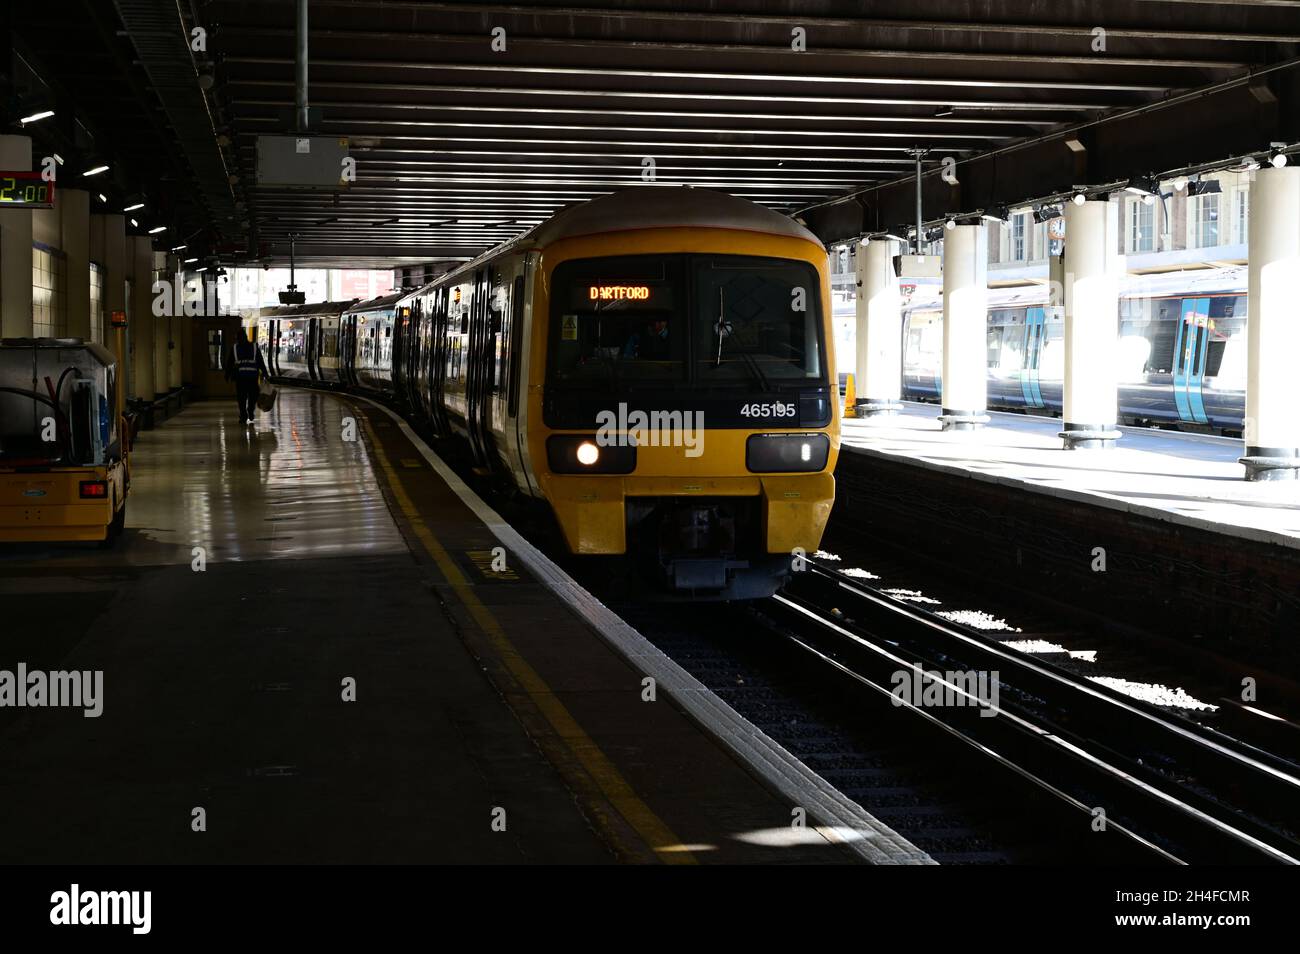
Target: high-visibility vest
point(245, 353)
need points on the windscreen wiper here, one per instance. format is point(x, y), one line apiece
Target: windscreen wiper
point(721, 327)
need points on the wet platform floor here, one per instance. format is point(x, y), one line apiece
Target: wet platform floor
point(224, 679)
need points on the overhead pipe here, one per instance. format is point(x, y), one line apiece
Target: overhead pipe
point(918, 154)
point(300, 66)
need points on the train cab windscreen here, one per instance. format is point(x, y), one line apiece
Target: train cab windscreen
point(702, 321)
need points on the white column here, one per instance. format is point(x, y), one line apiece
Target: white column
point(74, 239)
point(965, 319)
point(879, 331)
point(1272, 429)
point(16, 247)
point(1094, 269)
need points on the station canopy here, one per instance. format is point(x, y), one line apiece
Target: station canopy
point(471, 121)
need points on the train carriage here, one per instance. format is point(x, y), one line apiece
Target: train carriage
point(1180, 349)
point(654, 365)
point(300, 342)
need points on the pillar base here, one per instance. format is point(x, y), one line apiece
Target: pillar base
point(1089, 436)
point(962, 420)
point(877, 408)
point(1272, 463)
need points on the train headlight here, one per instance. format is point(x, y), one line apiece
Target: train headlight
point(786, 453)
point(581, 454)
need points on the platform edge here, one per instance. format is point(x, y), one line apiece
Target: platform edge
point(765, 758)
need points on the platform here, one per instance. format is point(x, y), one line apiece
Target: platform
point(1190, 479)
point(1161, 526)
point(265, 566)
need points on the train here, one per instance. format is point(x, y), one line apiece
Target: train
point(652, 367)
point(1181, 352)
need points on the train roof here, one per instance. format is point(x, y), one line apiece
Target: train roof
point(1231, 280)
point(643, 207)
point(307, 310)
point(661, 207)
point(379, 303)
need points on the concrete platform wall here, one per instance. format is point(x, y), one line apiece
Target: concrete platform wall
point(1222, 594)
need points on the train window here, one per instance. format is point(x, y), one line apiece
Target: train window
point(756, 317)
point(741, 320)
point(1006, 350)
point(1227, 335)
point(1051, 360)
point(1227, 306)
point(618, 319)
point(1163, 333)
point(994, 345)
point(924, 346)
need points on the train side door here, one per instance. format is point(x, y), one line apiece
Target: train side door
point(1191, 347)
point(410, 354)
point(313, 340)
point(348, 370)
point(345, 349)
point(397, 353)
point(273, 347)
point(478, 373)
point(414, 339)
point(429, 308)
point(1030, 380)
point(438, 362)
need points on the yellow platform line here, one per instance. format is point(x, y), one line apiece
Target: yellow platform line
point(652, 830)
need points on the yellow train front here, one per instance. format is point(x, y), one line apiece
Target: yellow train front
point(64, 470)
point(654, 366)
point(682, 411)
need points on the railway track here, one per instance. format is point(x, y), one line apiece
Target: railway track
point(1089, 774)
point(1188, 793)
point(895, 770)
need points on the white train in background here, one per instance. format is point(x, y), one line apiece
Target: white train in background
point(1181, 355)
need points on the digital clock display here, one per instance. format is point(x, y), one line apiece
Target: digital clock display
point(25, 190)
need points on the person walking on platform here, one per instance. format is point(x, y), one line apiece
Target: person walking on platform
point(245, 368)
